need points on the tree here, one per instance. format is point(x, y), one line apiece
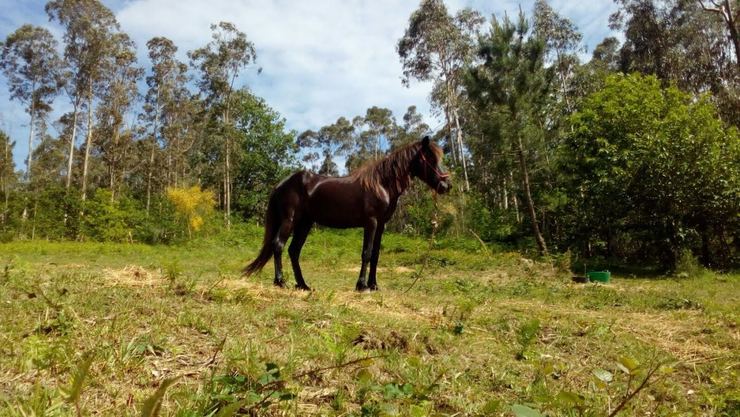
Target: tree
point(264, 152)
point(219, 64)
point(413, 128)
point(7, 173)
point(437, 46)
point(731, 18)
point(378, 123)
point(116, 100)
point(334, 140)
point(655, 165)
point(169, 115)
point(606, 54)
point(32, 66)
point(511, 87)
point(328, 166)
point(680, 42)
point(88, 26)
point(49, 156)
point(562, 41)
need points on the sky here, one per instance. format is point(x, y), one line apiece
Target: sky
point(320, 60)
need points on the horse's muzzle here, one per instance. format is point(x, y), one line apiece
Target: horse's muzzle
point(443, 187)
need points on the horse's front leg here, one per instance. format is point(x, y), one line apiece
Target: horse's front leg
point(371, 282)
point(367, 251)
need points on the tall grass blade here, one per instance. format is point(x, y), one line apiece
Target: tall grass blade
point(151, 406)
point(81, 374)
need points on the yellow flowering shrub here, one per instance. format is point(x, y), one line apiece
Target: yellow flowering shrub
point(192, 204)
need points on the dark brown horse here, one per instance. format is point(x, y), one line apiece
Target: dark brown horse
point(367, 198)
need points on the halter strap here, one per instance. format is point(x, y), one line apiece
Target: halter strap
point(441, 175)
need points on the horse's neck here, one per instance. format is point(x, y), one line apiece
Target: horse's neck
point(394, 185)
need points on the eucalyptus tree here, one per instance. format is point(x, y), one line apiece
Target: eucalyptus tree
point(170, 112)
point(88, 26)
point(49, 155)
point(510, 89)
point(681, 42)
point(30, 62)
point(7, 172)
point(729, 12)
point(436, 46)
point(116, 100)
point(562, 43)
point(167, 116)
point(378, 123)
point(219, 63)
point(338, 139)
point(412, 129)
point(606, 54)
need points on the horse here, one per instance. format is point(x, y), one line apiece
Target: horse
point(366, 198)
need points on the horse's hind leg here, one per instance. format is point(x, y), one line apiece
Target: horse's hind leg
point(294, 250)
point(286, 227)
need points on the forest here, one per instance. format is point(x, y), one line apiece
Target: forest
point(632, 156)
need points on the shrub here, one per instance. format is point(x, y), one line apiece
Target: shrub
point(192, 205)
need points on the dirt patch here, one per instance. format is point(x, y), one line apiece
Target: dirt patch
point(134, 276)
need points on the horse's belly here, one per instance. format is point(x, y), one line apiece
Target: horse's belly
point(337, 217)
point(337, 210)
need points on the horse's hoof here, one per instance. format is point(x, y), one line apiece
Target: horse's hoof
point(280, 284)
point(303, 287)
point(362, 289)
point(374, 288)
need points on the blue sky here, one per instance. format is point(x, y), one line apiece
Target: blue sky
point(320, 59)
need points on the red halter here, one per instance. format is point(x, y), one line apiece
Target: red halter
point(442, 175)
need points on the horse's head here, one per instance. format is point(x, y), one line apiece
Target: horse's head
point(425, 166)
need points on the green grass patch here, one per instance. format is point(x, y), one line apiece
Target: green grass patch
point(130, 330)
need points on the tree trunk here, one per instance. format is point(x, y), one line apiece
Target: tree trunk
point(6, 191)
point(728, 16)
point(514, 200)
point(505, 195)
point(227, 162)
point(731, 25)
point(113, 163)
point(33, 223)
point(88, 144)
point(530, 203)
point(29, 163)
point(227, 185)
point(149, 179)
point(458, 133)
point(448, 125)
point(70, 161)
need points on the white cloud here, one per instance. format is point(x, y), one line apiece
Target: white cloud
point(320, 60)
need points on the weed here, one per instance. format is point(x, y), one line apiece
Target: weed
point(526, 334)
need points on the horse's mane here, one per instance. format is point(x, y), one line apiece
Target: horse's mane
point(391, 171)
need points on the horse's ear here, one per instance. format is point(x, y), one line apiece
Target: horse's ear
point(425, 142)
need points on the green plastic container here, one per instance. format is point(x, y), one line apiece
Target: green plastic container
point(599, 276)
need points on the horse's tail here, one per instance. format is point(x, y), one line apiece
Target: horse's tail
point(271, 230)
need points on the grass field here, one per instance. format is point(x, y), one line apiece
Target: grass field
point(480, 333)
